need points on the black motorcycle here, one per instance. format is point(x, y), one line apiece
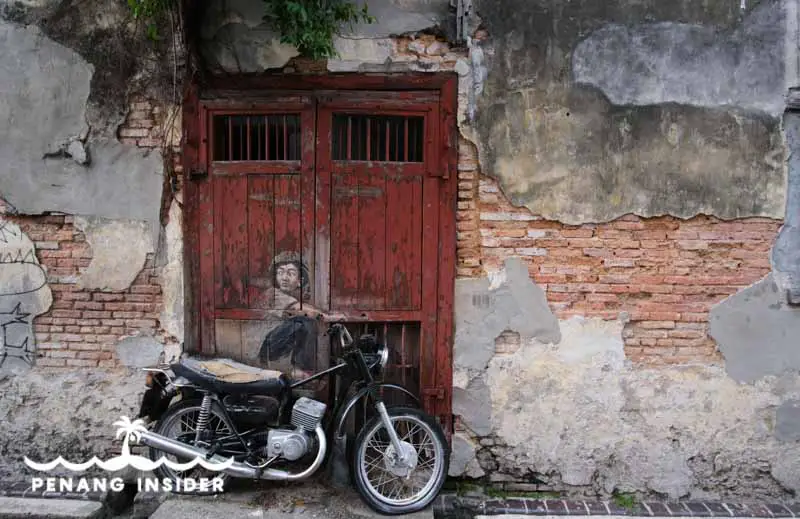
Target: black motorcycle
point(216, 410)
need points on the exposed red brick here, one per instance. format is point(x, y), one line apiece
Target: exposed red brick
point(665, 273)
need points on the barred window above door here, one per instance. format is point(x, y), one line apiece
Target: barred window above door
point(274, 137)
point(381, 138)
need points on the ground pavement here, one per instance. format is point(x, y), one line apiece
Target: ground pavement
point(318, 499)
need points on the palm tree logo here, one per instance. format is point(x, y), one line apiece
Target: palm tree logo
point(132, 431)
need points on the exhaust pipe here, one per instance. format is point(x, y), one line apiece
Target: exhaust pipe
point(238, 469)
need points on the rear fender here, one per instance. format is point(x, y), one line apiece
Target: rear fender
point(161, 391)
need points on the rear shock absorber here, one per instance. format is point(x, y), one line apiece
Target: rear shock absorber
point(202, 420)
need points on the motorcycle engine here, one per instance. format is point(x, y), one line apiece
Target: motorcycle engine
point(287, 444)
point(294, 444)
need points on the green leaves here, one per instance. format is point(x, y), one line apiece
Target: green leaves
point(310, 25)
point(151, 12)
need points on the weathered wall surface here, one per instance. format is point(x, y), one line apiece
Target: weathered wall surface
point(79, 144)
point(632, 169)
point(592, 111)
point(77, 424)
point(560, 403)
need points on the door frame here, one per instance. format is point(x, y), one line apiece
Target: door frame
point(436, 388)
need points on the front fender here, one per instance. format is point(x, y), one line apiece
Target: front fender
point(341, 416)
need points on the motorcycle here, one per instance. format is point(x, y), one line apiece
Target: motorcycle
point(398, 461)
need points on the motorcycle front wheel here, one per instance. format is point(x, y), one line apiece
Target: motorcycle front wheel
point(388, 485)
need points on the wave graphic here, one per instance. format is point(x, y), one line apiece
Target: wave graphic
point(132, 431)
point(121, 462)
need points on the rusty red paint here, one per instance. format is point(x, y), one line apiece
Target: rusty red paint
point(378, 237)
point(261, 225)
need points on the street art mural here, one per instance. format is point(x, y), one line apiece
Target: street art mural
point(289, 336)
point(291, 345)
point(24, 294)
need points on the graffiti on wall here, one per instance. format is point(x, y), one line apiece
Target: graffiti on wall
point(24, 294)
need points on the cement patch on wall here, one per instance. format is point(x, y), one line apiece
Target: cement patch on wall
point(171, 276)
point(575, 412)
point(44, 415)
point(235, 38)
point(688, 63)
point(572, 157)
point(786, 251)
point(757, 332)
point(119, 252)
point(567, 152)
point(396, 17)
point(45, 91)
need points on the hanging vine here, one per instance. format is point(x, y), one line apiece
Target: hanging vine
point(308, 25)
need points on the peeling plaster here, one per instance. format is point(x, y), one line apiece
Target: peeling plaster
point(355, 54)
point(706, 141)
point(139, 352)
point(785, 254)
point(235, 38)
point(48, 162)
point(689, 64)
point(396, 17)
point(574, 411)
point(757, 332)
point(119, 252)
point(171, 277)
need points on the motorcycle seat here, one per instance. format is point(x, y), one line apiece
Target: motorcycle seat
point(231, 377)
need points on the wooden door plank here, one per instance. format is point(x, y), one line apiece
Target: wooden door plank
point(261, 228)
point(230, 242)
point(205, 240)
point(323, 229)
point(372, 241)
point(287, 227)
point(404, 243)
point(191, 161)
point(430, 259)
point(228, 339)
point(447, 252)
point(344, 241)
point(307, 196)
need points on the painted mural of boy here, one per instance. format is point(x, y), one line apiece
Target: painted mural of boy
point(293, 343)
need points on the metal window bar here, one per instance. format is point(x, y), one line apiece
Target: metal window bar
point(381, 138)
point(256, 137)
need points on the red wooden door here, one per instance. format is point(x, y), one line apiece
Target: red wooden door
point(331, 201)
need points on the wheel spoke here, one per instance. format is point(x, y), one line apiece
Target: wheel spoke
point(392, 485)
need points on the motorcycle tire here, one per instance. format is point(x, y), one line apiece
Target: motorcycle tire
point(362, 466)
point(185, 407)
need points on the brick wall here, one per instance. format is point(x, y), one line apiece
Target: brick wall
point(664, 273)
point(82, 327)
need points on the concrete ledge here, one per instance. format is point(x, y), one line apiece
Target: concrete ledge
point(27, 508)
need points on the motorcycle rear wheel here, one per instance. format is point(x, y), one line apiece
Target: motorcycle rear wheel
point(383, 484)
point(185, 413)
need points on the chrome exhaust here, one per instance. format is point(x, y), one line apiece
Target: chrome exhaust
point(238, 469)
